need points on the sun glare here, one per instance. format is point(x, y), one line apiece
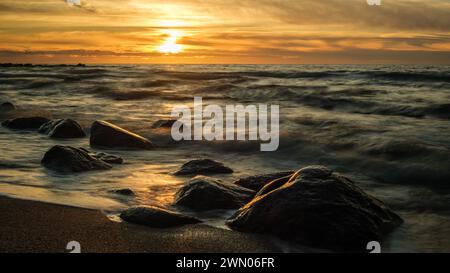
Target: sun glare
point(170, 45)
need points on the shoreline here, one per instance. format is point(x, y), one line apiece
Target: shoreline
point(33, 226)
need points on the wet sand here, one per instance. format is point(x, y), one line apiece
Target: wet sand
point(30, 226)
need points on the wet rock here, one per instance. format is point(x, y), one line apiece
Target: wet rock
point(202, 166)
point(273, 185)
point(204, 193)
point(70, 159)
point(7, 106)
point(164, 123)
point(108, 158)
point(106, 134)
point(62, 128)
point(25, 123)
point(125, 191)
point(156, 217)
point(256, 182)
point(319, 208)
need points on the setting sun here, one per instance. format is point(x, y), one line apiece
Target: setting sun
point(170, 45)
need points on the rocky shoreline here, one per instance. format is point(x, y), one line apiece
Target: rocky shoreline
point(313, 206)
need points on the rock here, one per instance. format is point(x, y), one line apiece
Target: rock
point(310, 171)
point(156, 217)
point(108, 158)
point(256, 182)
point(319, 208)
point(109, 135)
point(202, 166)
point(62, 128)
point(125, 191)
point(164, 123)
point(204, 193)
point(273, 185)
point(7, 106)
point(25, 123)
point(70, 159)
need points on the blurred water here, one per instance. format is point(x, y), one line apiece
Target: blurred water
point(387, 127)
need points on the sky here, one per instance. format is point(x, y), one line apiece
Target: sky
point(225, 31)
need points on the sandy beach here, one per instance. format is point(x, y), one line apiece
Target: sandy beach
point(29, 226)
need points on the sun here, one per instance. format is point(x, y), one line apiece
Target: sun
point(170, 45)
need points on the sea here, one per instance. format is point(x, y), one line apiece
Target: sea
point(387, 127)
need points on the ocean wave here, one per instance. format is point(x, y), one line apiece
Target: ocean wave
point(29, 75)
point(155, 83)
point(294, 75)
point(216, 88)
point(361, 106)
point(84, 71)
point(198, 75)
point(15, 165)
point(282, 87)
point(41, 83)
point(116, 94)
point(245, 74)
point(80, 77)
point(397, 149)
point(439, 110)
point(410, 76)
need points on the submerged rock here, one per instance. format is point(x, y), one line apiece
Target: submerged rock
point(156, 217)
point(62, 128)
point(7, 106)
point(108, 158)
point(204, 193)
point(109, 135)
point(202, 166)
point(125, 191)
point(25, 123)
point(256, 182)
point(317, 207)
point(70, 159)
point(164, 123)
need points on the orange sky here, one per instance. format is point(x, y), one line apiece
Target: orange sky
point(225, 31)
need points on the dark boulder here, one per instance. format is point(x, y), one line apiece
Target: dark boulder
point(7, 106)
point(62, 128)
point(156, 217)
point(70, 159)
point(203, 193)
point(25, 123)
point(125, 191)
point(256, 182)
point(164, 123)
point(319, 208)
point(202, 166)
point(106, 134)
